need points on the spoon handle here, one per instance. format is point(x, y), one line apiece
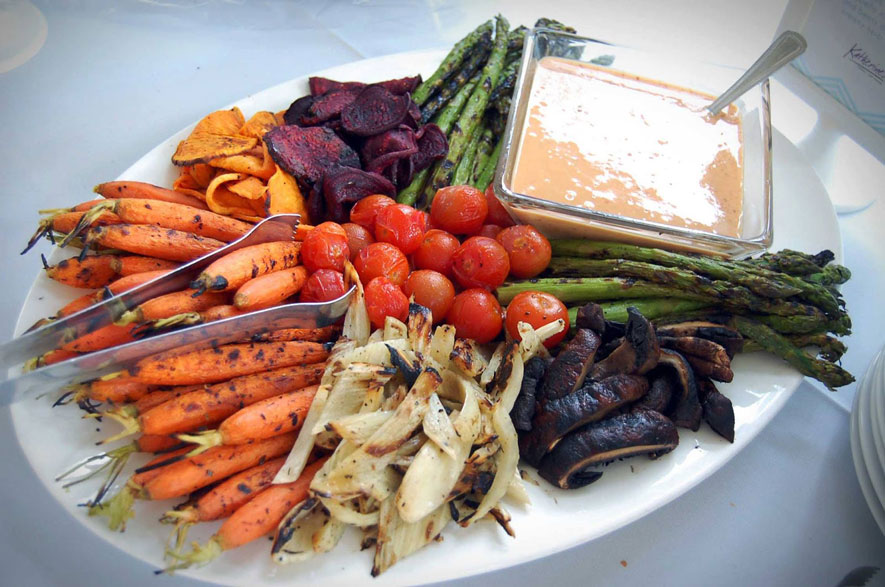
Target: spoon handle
point(784, 49)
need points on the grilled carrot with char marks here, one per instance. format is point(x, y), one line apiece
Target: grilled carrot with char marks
point(169, 215)
point(152, 241)
point(171, 304)
point(255, 518)
point(146, 191)
point(270, 289)
point(221, 363)
point(236, 268)
point(90, 272)
point(269, 417)
point(130, 264)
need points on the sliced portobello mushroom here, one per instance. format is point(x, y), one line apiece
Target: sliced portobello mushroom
point(636, 354)
point(569, 369)
point(524, 407)
point(718, 410)
point(591, 403)
point(637, 432)
point(711, 369)
point(590, 316)
point(685, 408)
point(728, 338)
point(660, 391)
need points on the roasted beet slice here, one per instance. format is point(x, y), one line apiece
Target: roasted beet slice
point(345, 186)
point(374, 111)
point(432, 145)
point(328, 106)
point(323, 85)
point(383, 150)
point(297, 110)
point(306, 153)
point(404, 85)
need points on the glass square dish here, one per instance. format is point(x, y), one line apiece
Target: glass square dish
point(561, 220)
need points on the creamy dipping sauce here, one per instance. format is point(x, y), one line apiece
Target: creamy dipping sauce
point(629, 146)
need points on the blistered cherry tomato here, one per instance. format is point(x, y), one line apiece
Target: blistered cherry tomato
point(459, 209)
point(322, 286)
point(489, 230)
point(365, 211)
point(528, 249)
point(536, 308)
point(358, 238)
point(382, 260)
point(432, 290)
point(476, 314)
point(435, 251)
point(325, 247)
point(497, 212)
point(480, 262)
point(384, 298)
point(400, 225)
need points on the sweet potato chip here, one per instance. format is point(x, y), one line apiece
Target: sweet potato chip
point(223, 201)
point(200, 148)
point(202, 174)
point(221, 122)
point(256, 162)
point(186, 184)
point(249, 187)
point(259, 124)
point(284, 197)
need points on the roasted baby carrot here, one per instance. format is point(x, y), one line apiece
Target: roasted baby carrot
point(269, 417)
point(225, 498)
point(189, 318)
point(192, 473)
point(118, 388)
point(102, 338)
point(138, 189)
point(324, 334)
point(211, 405)
point(90, 272)
point(255, 518)
point(270, 289)
point(224, 362)
point(129, 264)
point(171, 304)
point(152, 241)
point(161, 396)
point(236, 268)
point(170, 215)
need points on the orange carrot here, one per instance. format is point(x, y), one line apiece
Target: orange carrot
point(269, 417)
point(90, 272)
point(102, 338)
point(270, 289)
point(161, 396)
point(66, 222)
point(137, 189)
point(324, 334)
point(130, 264)
point(225, 498)
point(156, 444)
point(255, 518)
point(189, 318)
point(209, 406)
point(170, 215)
point(236, 268)
point(152, 241)
point(117, 389)
point(188, 475)
point(128, 282)
point(221, 363)
point(51, 358)
point(171, 304)
point(116, 287)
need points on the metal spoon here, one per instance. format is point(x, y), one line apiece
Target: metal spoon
point(784, 49)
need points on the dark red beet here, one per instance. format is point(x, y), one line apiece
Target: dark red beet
point(323, 85)
point(405, 85)
point(328, 106)
point(374, 111)
point(297, 110)
point(383, 150)
point(432, 145)
point(306, 153)
point(344, 187)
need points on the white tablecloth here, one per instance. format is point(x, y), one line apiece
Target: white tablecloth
point(112, 81)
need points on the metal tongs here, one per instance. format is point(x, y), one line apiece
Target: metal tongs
point(96, 364)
